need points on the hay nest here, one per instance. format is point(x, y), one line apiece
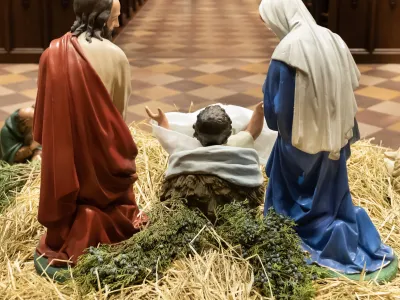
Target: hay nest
point(216, 274)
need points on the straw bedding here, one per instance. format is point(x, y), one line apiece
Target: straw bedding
point(216, 274)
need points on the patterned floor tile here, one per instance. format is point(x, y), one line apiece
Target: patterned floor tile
point(387, 107)
point(3, 116)
point(12, 78)
point(378, 93)
point(255, 79)
point(381, 74)
point(390, 67)
point(239, 86)
point(162, 79)
point(139, 109)
point(211, 93)
point(13, 107)
point(240, 100)
point(30, 93)
point(139, 85)
point(235, 73)
point(185, 85)
point(187, 73)
point(21, 68)
point(256, 68)
point(211, 79)
point(155, 93)
point(136, 99)
point(210, 68)
point(255, 92)
point(11, 99)
point(371, 80)
point(23, 85)
point(6, 91)
point(390, 84)
point(164, 68)
point(365, 102)
point(376, 118)
point(185, 61)
point(387, 138)
point(367, 130)
point(395, 127)
point(132, 117)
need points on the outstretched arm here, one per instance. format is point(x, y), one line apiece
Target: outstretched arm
point(256, 123)
point(160, 118)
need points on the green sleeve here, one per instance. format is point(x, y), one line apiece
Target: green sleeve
point(9, 145)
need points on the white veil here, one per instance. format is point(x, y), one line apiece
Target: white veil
point(325, 105)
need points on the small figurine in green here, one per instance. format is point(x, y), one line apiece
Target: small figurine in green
point(16, 139)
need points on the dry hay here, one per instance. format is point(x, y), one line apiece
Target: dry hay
point(213, 275)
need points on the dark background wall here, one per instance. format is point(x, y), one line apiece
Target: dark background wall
point(28, 26)
point(369, 27)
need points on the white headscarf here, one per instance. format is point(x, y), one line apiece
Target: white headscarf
point(325, 105)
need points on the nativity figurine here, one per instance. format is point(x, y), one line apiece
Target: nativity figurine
point(88, 161)
point(16, 138)
point(309, 100)
point(392, 163)
point(211, 166)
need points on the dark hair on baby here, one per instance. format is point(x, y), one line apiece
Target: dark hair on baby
point(91, 17)
point(213, 126)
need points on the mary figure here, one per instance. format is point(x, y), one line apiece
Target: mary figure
point(309, 99)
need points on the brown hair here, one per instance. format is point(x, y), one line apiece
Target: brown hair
point(91, 17)
point(213, 126)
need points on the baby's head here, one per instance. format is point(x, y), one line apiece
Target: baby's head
point(213, 126)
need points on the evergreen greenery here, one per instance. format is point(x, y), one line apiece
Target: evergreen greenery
point(272, 247)
point(270, 244)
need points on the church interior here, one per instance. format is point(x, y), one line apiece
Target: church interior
point(125, 203)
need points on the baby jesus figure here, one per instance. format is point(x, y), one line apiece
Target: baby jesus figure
point(214, 127)
point(215, 165)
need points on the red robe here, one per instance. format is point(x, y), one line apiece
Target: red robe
point(88, 159)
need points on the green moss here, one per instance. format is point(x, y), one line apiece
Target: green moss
point(273, 249)
point(269, 244)
point(147, 253)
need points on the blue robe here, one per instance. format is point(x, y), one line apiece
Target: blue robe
point(314, 190)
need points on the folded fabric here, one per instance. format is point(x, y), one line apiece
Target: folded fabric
point(240, 116)
point(239, 166)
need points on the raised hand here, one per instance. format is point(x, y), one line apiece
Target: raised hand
point(259, 107)
point(160, 118)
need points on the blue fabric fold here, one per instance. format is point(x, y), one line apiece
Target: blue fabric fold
point(313, 190)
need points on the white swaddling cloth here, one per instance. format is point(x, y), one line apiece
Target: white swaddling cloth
point(240, 167)
point(180, 135)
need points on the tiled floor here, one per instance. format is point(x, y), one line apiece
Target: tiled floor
point(185, 52)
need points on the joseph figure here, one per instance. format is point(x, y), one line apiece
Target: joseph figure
point(88, 159)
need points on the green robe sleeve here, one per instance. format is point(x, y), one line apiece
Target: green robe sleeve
point(9, 145)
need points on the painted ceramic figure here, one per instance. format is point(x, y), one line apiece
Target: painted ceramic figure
point(16, 138)
point(392, 162)
point(176, 130)
point(214, 127)
point(309, 101)
point(88, 162)
point(211, 165)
